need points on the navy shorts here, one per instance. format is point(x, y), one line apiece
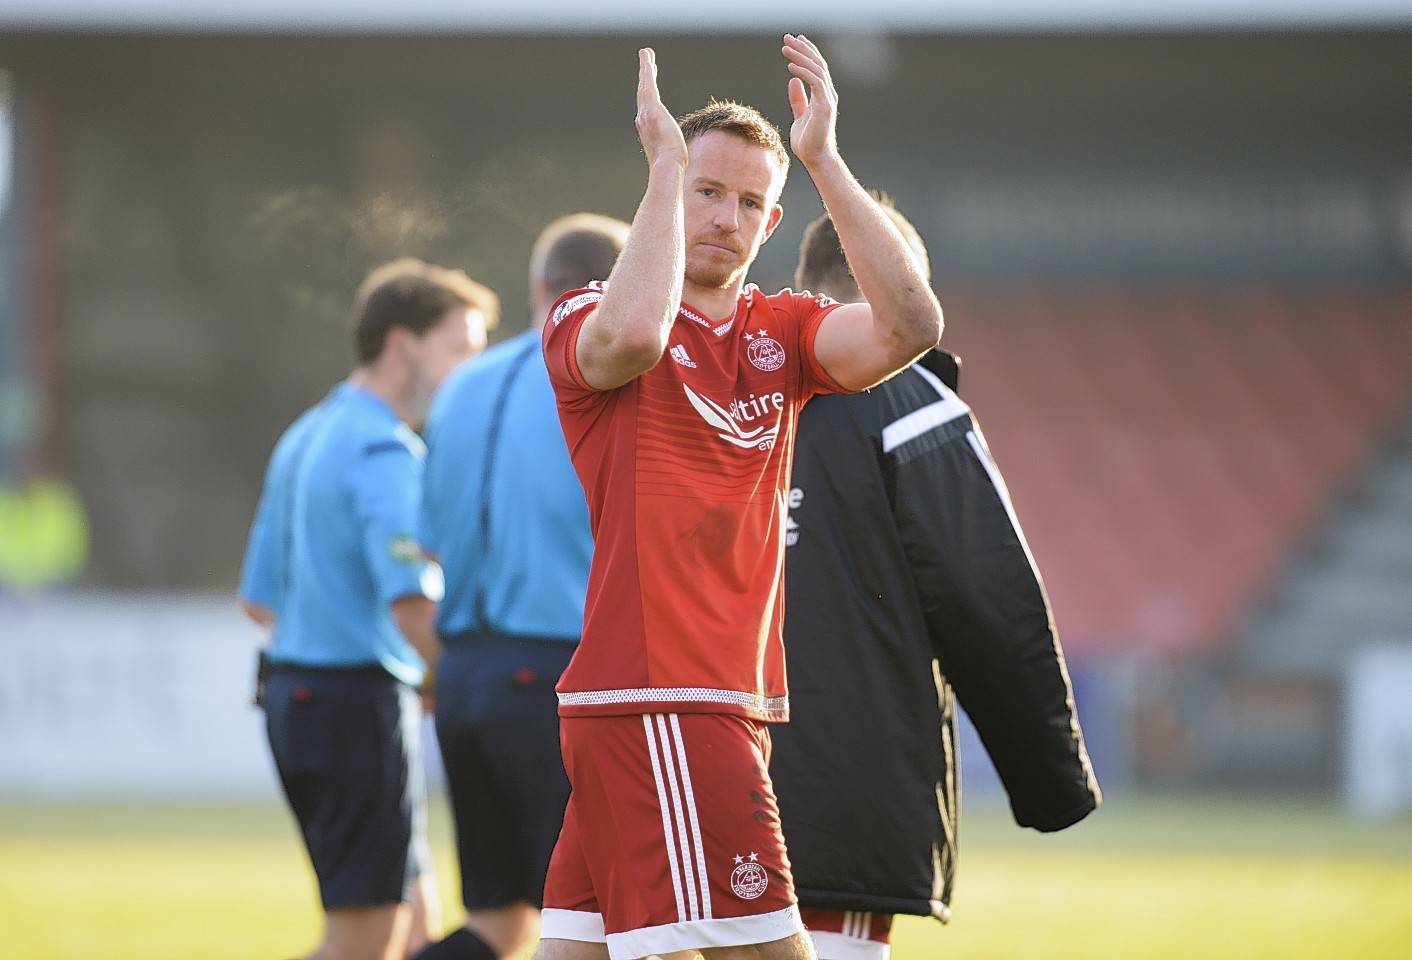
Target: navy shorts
point(347, 745)
point(497, 722)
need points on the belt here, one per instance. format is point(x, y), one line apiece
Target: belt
point(353, 670)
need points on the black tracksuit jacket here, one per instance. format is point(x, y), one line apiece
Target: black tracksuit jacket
point(907, 583)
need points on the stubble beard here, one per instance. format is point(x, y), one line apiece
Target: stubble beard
point(710, 274)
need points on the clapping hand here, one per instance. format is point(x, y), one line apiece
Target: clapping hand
point(816, 108)
point(656, 127)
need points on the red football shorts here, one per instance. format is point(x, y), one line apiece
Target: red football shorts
point(849, 934)
point(671, 840)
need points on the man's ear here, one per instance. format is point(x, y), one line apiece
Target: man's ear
point(539, 293)
point(776, 215)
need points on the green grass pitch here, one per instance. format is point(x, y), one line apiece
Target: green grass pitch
point(1145, 878)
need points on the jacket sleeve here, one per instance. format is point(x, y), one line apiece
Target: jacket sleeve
point(988, 617)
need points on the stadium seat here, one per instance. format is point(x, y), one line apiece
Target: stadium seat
point(1166, 450)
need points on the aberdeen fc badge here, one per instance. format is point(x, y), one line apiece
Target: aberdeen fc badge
point(749, 879)
point(764, 351)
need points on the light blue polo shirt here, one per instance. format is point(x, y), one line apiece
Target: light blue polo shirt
point(352, 539)
point(530, 562)
point(264, 575)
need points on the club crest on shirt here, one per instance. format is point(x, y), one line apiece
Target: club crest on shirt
point(764, 351)
point(749, 879)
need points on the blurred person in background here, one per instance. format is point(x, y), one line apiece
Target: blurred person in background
point(506, 517)
point(335, 572)
point(43, 536)
point(678, 387)
point(908, 585)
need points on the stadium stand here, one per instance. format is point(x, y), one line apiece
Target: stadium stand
point(1169, 451)
point(1350, 587)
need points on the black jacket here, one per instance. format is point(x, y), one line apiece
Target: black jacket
point(907, 579)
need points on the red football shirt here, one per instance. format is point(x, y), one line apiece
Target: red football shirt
point(686, 469)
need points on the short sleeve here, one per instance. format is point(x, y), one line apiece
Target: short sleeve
point(260, 573)
point(387, 497)
point(809, 311)
point(561, 335)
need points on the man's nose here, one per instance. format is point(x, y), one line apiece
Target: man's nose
point(726, 218)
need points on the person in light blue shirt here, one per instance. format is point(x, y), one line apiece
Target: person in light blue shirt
point(505, 514)
point(264, 574)
point(353, 549)
point(335, 572)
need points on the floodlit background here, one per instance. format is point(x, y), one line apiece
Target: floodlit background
point(1173, 241)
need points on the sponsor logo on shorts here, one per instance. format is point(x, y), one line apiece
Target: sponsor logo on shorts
point(749, 879)
point(764, 351)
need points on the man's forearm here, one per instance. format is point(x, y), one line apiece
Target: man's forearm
point(415, 617)
point(262, 615)
point(630, 327)
point(902, 301)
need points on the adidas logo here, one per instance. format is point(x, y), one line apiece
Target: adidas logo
point(678, 353)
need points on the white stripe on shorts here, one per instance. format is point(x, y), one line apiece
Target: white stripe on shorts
point(836, 946)
point(571, 925)
point(683, 843)
point(706, 934)
point(663, 805)
point(686, 855)
point(691, 812)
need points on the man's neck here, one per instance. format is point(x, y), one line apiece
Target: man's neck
point(380, 384)
point(715, 303)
